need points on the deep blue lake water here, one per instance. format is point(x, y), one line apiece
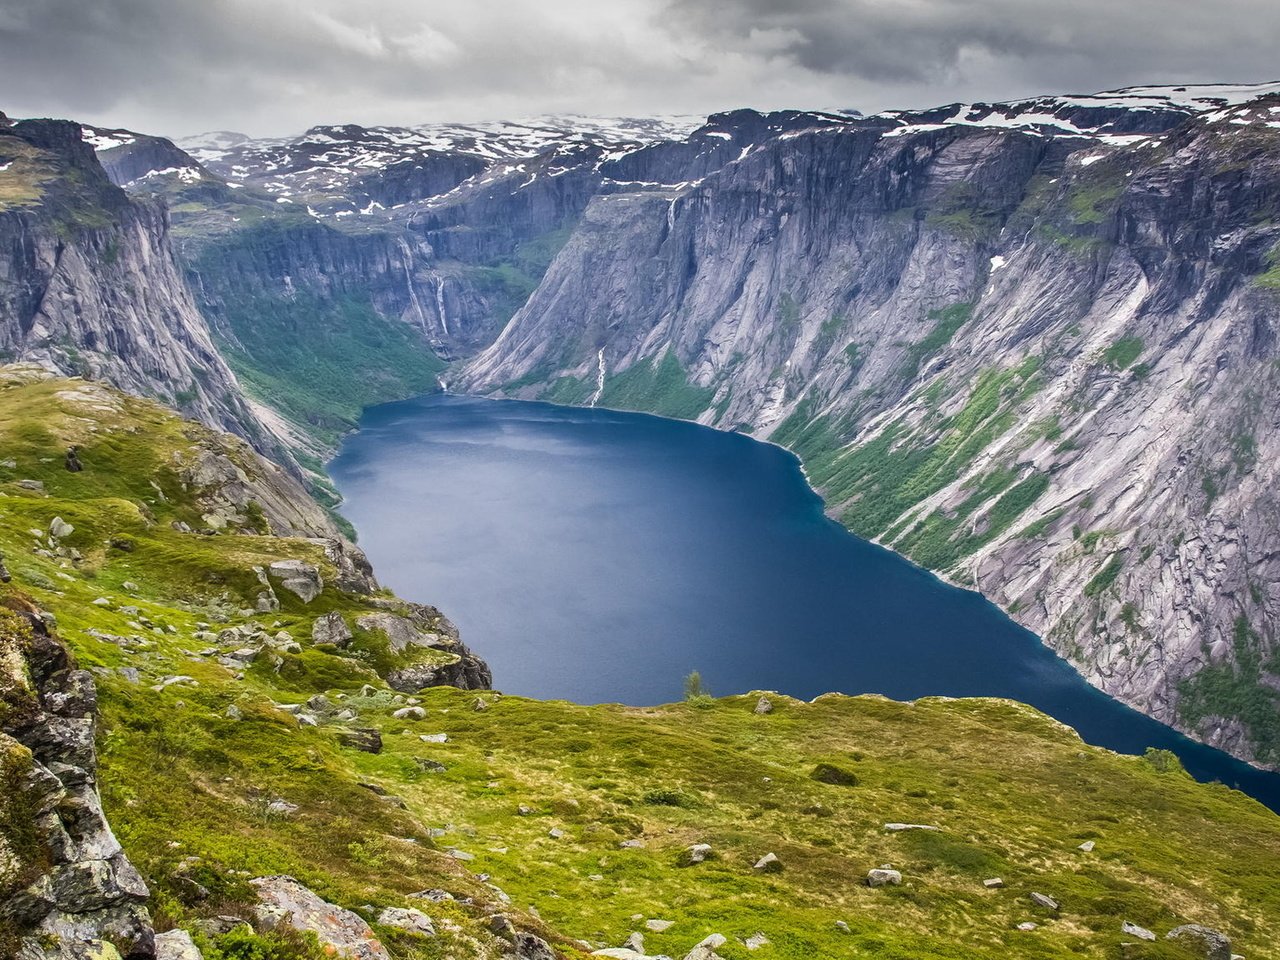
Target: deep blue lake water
point(598, 556)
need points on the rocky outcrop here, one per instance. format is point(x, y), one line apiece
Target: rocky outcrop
point(1031, 346)
point(284, 902)
point(421, 627)
point(67, 890)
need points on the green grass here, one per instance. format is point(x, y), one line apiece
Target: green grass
point(1122, 354)
point(1270, 278)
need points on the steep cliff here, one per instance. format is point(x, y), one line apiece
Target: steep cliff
point(1031, 346)
point(89, 284)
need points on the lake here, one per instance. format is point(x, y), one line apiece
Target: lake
point(598, 556)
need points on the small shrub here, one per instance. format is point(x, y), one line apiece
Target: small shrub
point(665, 797)
point(836, 776)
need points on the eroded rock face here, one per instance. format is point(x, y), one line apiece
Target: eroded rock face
point(284, 902)
point(80, 890)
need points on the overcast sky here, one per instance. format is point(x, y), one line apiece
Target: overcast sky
point(279, 66)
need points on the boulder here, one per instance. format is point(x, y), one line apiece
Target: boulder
point(706, 950)
point(883, 877)
point(299, 578)
point(410, 713)
point(755, 941)
point(699, 852)
point(763, 706)
point(331, 629)
point(994, 883)
point(1041, 900)
point(59, 528)
point(1202, 941)
point(176, 945)
point(361, 738)
point(1087, 846)
point(284, 902)
point(769, 863)
point(659, 926)
point(402, 918)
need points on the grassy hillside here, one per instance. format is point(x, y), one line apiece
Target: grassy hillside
point(581, 817)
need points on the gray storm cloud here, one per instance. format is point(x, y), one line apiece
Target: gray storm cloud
point(277, 66)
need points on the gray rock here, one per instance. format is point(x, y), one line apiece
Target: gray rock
point(1133, 930)
point(769, 863)
point(699, 852)
point(409, 713)
point(283, 901)
point(659, 926)
point(331, 629)
point(59, 528)
point(299, 578)
point(900, 827)
point(402, 918)
point(993, 883)
point(763, 706)
point(881, 877)
point(1042, 900)
point(1087, 846)
point(706, 950)
point(755, 941)
point(176, 945)
point(1203, 941)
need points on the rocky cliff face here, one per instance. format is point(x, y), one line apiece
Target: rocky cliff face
point(68, 889)
point(90, 285)
point(1032, 346)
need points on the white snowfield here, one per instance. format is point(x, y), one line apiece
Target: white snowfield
point(1070, 115)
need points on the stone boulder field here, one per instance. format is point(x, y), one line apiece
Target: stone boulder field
point(221, 738)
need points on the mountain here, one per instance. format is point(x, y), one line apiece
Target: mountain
point(1031, 346)
point(217, 735)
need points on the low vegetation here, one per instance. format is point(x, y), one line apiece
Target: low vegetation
point(580, 816)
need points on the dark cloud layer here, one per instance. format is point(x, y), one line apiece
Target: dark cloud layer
point(276, 66)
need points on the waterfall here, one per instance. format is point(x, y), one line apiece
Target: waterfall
point(595, 397)
point(406, 258)
point(444, 320)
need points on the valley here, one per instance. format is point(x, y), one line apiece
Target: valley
point(1029, 346)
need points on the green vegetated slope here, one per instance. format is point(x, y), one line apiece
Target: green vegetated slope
point(581, 816)
point(320, 363)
